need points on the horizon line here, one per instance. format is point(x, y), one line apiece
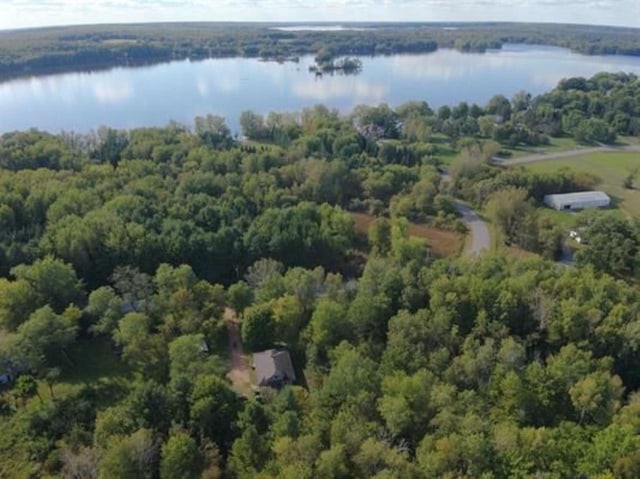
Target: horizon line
point(304, 23)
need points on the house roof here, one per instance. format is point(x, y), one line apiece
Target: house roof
point(273, 364)
point(582, 196)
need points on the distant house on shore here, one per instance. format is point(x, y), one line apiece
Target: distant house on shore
point(578, 201)
point(273, 368)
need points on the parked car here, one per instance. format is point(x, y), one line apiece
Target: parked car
point(577, 236)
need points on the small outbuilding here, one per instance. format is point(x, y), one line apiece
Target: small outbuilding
point(578, 201)
point(273, 368)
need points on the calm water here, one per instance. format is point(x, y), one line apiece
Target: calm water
point(130, 97)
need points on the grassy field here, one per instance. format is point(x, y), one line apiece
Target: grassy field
point(89, 362)
point(610, 167)
point(93, 362)
point(443, 243)
point(559, 145)
point(446, 154)
point(565, 218)
point(515, 252)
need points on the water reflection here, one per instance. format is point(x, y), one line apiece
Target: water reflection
point(118, 91)
point(328, 88)
point(202, 85)
point(446, 64)
point(154, 95)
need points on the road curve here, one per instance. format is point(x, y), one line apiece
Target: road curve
point(563, 154)
point(478, 229)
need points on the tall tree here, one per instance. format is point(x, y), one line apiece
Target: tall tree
point(43, 337)
point(258, 327)
point(180, 458)
point(54, 282)
point(131, 457)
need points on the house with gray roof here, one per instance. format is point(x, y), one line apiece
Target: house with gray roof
point(273, 368)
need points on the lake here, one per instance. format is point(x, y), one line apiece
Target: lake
point(182, 90)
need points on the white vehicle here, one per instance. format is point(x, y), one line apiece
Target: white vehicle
point(576, 235)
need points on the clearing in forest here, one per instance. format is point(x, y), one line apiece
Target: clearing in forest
point(443, 243)
point(240, 364)
point(611, 167)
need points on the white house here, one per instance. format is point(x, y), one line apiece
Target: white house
point(578, 201)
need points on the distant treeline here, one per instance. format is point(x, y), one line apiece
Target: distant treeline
point(35, 51)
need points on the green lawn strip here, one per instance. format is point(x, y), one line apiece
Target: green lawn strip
point(446, 155)
point(564, 218)
point(556, 145)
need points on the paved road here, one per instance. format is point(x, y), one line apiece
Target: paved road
point(480, 238)
point(563, 154)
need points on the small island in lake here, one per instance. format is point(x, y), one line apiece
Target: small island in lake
point(327, 63)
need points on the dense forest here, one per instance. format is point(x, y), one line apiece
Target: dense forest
point(122, 253)
point(34, 51)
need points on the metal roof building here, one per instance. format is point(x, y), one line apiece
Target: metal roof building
point(578, 201)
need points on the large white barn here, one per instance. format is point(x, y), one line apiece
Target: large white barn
point(578, 201)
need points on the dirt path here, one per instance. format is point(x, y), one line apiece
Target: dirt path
point(240, 364)
point(564, 154)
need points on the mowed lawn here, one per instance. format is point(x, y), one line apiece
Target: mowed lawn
point(555, 145)
point(610, 167)
point(443, 243)
point(89, 362)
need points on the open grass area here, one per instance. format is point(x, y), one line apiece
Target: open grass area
point(446, 155)
point(611, 167)
point(443, 243)
point(515, 252)
point(556, 145)
point(92, 362)
point(566, 218)
point(88, 362)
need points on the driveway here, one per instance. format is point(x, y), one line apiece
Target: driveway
point(478, 230)
point(240, 369)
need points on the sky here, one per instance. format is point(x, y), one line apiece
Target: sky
point(32, 13)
